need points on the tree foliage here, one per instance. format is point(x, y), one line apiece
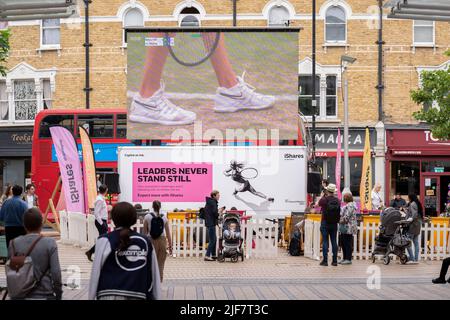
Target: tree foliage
point(4, 50)
point(435, 91)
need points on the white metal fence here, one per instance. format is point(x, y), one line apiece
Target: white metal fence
point(433, 241)
point(260, 237)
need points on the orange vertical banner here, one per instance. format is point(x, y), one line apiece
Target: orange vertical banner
point(89, 167)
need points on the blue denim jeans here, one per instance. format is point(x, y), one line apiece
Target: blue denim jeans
point(329, 231)
point(414, 256)
point(211, 251)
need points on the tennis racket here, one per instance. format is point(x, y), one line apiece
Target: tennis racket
point(191, 49)
point(249, 173)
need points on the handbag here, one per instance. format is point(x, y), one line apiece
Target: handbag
point(343, 228)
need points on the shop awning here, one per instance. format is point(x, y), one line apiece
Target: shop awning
point(434, 10)
point(411, 142)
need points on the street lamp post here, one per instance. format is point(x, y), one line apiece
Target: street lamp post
point(87, 89)
point(345, 61)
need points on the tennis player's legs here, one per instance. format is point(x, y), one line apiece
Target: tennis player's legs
point(259, 194)
point(153, 68)
point(233, 94)
point(151, 104)
point(242, 187)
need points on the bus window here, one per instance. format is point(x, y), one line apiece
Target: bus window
point(55, 120)
point(98, 126)
point(121, 126)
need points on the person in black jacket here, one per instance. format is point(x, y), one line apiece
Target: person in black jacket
point(398, 202)
point(212, 212)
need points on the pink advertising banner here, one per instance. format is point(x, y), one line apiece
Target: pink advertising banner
point(171, 182)
point(338, 164)
point(70, 168)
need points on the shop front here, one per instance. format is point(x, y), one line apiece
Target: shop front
point(418, 163)
point(326, 145)
point(15, 155)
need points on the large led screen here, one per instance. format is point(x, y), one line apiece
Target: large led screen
point(217, 84)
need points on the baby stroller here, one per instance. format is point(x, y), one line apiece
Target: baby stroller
point(392, 238)
point(230, 241)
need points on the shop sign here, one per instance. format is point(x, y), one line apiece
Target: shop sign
point(433, 141)
point(415, 142)
point(328, 154)
point(439, 169)
point(16, 138)
point(327, 139)
point(16, 142)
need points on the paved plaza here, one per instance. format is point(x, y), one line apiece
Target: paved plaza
point(283, 278)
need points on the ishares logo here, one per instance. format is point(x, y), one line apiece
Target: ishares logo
point(290, 156)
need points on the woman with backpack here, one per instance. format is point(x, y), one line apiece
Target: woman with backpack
point(347, 228)
point(156, 227)
point(125, 265)
point(38, 278)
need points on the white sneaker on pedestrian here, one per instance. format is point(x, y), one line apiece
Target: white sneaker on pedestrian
point(159, 110)
point(241, 97)
point(412, 262)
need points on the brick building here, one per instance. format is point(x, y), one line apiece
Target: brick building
point(47, 65)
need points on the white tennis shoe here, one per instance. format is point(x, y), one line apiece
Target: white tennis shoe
point(159, 110)
point(241, 97)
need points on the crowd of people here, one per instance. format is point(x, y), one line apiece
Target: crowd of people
point(128, 265)
point(339, 221)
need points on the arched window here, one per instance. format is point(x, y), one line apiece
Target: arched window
point(132, 18)
point(278, 16)
point(335, 25)
point(189, 17)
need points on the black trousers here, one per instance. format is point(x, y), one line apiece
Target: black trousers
point(13, 232)
point(102, 229)
point(347, 244)
point(444, 268)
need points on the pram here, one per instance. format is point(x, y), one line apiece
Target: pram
point(392, 238)
point(230, 241)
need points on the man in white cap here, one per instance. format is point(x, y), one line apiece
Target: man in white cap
point(331, 213)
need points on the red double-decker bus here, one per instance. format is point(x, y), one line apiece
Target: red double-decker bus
point(107, 129)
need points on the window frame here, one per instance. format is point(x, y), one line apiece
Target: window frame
point(41, 40)
point(7, 103)
point(24, 71)
point(117, 118)
point(72, 131)
point(91, 118)
point(327, 23)
point(124, 33)
point(181, 16)
point(277, 25)
point(12, 105)
point(322, 98)
point(335, 95)
point(423, 44)
point(310, 95)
